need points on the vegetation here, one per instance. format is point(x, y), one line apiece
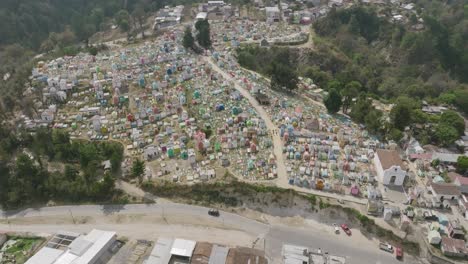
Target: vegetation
point(26, 176)
point(188, 40)
point(462, 164)
point(333, 101)
point(359, 55)
point(276, 63)
point(21, 249)
point(203, 33)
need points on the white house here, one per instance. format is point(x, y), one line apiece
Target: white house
point(445, 191)
point(272, 14)
point(389, 167)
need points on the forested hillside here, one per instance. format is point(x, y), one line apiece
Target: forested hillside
point(29, 27)
point(391, 59)
point(359, 54)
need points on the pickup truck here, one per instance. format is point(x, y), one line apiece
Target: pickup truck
point(386, 247)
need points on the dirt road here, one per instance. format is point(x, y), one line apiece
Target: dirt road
point(277, 143)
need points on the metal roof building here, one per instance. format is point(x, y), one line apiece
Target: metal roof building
point(161, 253)
point(183, 248)
point(87, 249)
point(218, 255)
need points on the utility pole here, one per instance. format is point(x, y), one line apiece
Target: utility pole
point(71, 214)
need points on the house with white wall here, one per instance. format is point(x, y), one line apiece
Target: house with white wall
point(445, 191)
point(272, 14)
point(389, 167)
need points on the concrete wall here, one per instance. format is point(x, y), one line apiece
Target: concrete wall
point(394, 171)
point(378, 168)
point(3, 239)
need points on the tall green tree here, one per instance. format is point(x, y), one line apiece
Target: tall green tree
point(203, 35)
point(462, 164)
point(446, 134)
point(188, 40)
point(138, 169)
point(333, 101)
point(453, 119)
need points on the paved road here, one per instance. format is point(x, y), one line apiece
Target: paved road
point(275, 234)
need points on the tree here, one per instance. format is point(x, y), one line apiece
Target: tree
point(446, 134)
point(462, 164)
point(88, 153)
point(360, 109)
point(203, 36)
point(453, 119)
point(139, 15)
point(350, 91)
point(283, 77)
point(400, 115)
point(188, 40)
point(354, 26)
point(138, 169)
point(373, 121)
point(333, 101)
point(461, 100)
point(121, 19)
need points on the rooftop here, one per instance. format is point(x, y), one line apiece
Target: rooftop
point(389, 158)
point(453, 245)
point(183, 248)
point(161, 253)
point(83, 250)
point(445, 189)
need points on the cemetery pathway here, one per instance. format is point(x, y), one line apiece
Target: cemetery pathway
point(277, 144)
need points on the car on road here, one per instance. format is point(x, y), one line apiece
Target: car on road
point(386, 247)
point(341, 201)
point(399, 253)
point(337, 230)
point(346, 229)
point(213, 212)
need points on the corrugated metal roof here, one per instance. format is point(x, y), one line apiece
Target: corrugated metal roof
point(218, 255)
point(161, 253)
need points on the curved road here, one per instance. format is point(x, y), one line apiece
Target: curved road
point(183, 220)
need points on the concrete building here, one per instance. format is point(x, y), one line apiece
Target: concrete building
point(167, 17)
point(201, 16)
point(272, 14)
point(167, 250)
point(389, 167)
point(444, 191)
point(453, 247)
point(92, 248)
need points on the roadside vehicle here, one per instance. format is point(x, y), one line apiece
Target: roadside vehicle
point(337, 230)
point(399, 253)
point(386, 247)
point(346, 229)
point(213, 212)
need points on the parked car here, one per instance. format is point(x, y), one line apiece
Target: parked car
point(386, 247)
point(213, 212)
point(337, 230)
point(399, 253)
point(346, 229)
point(341, 201)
